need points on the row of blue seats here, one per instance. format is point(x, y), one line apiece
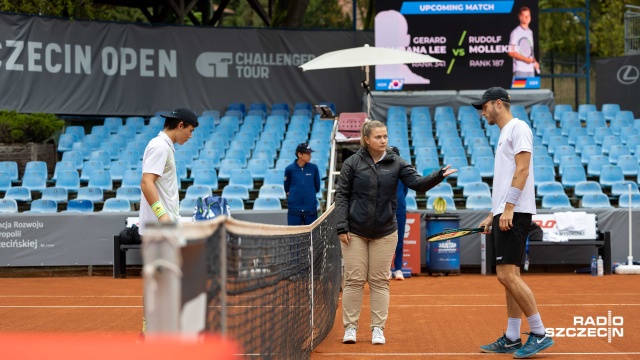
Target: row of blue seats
point(10, 206)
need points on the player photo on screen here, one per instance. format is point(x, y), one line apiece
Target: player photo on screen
point(479, 42)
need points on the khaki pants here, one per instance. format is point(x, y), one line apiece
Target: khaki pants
point(365, 260)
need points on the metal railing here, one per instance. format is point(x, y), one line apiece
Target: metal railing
point(632, 30)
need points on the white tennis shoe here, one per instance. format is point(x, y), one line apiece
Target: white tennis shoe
point(349, 335)
point(377, 336)
point(399, 275)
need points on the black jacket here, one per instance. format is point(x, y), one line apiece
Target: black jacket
point(366, 194)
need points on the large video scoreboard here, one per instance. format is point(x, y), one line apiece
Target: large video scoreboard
point(477, 41)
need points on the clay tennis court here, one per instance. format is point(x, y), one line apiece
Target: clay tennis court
point(429, 317)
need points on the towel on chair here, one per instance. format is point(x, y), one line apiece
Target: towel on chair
point(571, 220)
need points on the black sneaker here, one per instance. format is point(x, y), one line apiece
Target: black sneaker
point(503, 345)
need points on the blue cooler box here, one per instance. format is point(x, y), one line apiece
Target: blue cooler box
point(443, 256)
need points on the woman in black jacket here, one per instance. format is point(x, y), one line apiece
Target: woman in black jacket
point(366, 204)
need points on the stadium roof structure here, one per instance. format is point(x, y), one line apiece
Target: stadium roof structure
point(160, 11)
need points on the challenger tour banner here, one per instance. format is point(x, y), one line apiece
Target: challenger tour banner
point(100, 68)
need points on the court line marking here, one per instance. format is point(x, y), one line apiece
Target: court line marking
point(70, 296)
point(283, 306)
point(538, 294)
point(470, 354)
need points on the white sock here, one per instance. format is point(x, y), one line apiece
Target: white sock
point(535, 324)
point(513, 329)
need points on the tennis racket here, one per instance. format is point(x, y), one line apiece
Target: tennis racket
point(526, 49)
point(453, 234)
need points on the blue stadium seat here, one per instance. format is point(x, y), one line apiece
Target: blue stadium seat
point(569, 160)
point(95, 194)
point(574, 132)
point(241, 177)
point(116, 205)
point(36, 166)
point(587, 187)
point(556, 201)
point(136, 122)
point(65, 142)
point(88, 167)
point(543, 174)
point(572, 175)
point(8, 206)
point(133, 194)
point(112, 147)
point(78, 131)
point(411, 203)
point(561, 151)
point(272, 190)
point(80, 205)
point(238, 191)
point(555, 142)
point(543, 160)
point(235, 203)
point(258, 167)
point(207, 177)
point(268, 155)
point(118, 168)
point(44, 206)
point(10, 167)
point(188, 204)
point(267, 203)
point(113, 123)
point(451, 205)
point(600, 133)
point(227, 166)
point(608, 141)
point(467, 175)
point(69, 180)
point(5, 181)
point(622, 187)
point(58, 195)
point(35, 180)
point(196, 191)
point(63, 166)
point(18, 193)
point(610, 174)
point(132, 178)
point(625, 200)
point(476, 188)
point(478, 202)
point(595, 164)
point(560, 109)
point(588, 151)
point(236, 154)
point(609, 110)
point(595, 201)
point(628, 164)
point(549, 188)
point(101, 179)
point(274, 176)
point(442, 189)
point(595, 120)
point(201, 164)
point(585, 140)
point(616, 151)
point(211, 154)
point(584, 109)
point(485, 165)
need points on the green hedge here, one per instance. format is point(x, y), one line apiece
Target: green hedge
point(16, 128)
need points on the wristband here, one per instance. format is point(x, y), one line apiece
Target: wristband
point(158, 209)
point(513, 195)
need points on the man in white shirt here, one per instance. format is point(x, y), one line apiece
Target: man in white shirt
point(521, 47)
point(513, 204)
point(160, 200)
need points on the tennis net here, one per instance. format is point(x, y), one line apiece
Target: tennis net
point(274, 289)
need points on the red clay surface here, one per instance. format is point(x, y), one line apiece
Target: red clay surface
point(429, 317)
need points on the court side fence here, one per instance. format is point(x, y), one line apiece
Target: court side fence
point(273, 289)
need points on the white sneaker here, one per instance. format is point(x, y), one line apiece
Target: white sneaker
point(390, 275)
point(377, 336)
point(399, 275)
point(349, 335)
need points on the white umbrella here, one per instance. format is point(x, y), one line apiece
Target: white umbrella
point(365, 56)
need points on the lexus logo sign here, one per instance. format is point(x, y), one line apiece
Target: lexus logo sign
point(628, 74)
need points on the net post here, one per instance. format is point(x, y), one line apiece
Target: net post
point(162, 278)
point(311, 257)
point(223, 280)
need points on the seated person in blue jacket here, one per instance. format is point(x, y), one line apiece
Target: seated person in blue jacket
point(301, 183)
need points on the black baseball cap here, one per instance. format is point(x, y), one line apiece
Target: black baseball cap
point(494, 93)
point(185, 114)
point(304, 147)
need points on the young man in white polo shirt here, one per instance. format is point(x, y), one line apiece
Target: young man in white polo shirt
point(160, 197)
point(522, 35)
point(513, 204)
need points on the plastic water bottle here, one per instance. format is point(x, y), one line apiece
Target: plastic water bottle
point(594, 266)
point(600, 266)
